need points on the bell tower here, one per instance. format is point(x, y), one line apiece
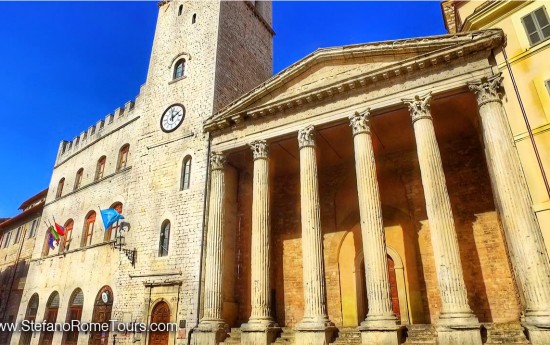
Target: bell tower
point(205, 54)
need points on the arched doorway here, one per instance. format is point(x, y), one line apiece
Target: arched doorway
point(30, 314)
point(103, 305)
point(160, 314)
point(353, 289)
point(74, 312)
point(50, 316)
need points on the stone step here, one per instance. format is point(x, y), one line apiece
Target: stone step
point(505, 333)
point(347, 336)
point(234, 337)
point(420, 335)
point(286, 337)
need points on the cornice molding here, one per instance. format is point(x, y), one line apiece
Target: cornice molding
point(437, 50)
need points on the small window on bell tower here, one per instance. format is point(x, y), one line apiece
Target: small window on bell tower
point(180, 10)
point(179, 69)
point(194, 18)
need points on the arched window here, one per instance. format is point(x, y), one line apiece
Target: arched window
point(111, 233)
point(100, 168)
point(30, 315)
point(179, 69)
point(88, 232)
point(66, 239)
point(46, 247)
point(50, 316)
point(164, 241)
point(78, 178)
point(123, 157)
point(180, 10)
point(60, 185)
point(194, 18)
point(186, 173)
point(74, 313)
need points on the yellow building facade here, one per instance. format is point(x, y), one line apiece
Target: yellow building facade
point(523, 61)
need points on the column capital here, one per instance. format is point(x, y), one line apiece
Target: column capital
point(487, 89)
point(259, 149)
point(419, 107)
point(217, 161)
point(306, 137)
point(359, 122)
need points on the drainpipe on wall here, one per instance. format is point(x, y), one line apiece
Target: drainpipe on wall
point(527, 124)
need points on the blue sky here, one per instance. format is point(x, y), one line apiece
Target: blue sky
point(65, 65)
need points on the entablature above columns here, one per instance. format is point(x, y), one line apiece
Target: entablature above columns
point(380, 103)
point(446, 51)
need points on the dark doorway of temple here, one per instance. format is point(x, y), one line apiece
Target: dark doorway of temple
point(393, 288)
point(103, 306)
point(160, 314)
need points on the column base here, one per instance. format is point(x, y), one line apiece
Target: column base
point(537, 335)
point(380, 331)
point(458, 335)
point(209, 333)
point(259, 332)
point(315, 332)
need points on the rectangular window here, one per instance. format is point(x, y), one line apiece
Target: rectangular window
point(17, 235)
point(7, 238)
point(34, 227)
point(537, 25)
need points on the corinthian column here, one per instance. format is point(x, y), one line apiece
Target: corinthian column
point(260, 329)
point(313, 327)
point(455, 311)
point(380, 326)
point(211, 328)
point(514, 205)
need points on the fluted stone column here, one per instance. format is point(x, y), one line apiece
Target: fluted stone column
point(457, 323)
point(315, 328)
point(211, 329)
point(380, 326)
point(260, 329)
point(523, 235)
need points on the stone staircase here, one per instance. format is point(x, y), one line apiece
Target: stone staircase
point(505, 333)
point(286, 337)
point(420, 335)
point(347, 336)
point(234, 337)
point(493, 334)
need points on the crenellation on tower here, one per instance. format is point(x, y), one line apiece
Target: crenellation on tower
point(105, 126)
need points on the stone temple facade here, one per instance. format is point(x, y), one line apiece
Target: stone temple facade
point(367, 194)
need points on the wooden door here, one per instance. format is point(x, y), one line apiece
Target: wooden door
point(160, 314)
point(75, 313)
point(102, 314)
point(51, 317)
point(393, 288)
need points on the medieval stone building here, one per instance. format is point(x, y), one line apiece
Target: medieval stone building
point(368, 194)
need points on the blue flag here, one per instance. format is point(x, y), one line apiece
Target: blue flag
point(110, 216)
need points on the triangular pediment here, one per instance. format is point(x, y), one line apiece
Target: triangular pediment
point(334, 70)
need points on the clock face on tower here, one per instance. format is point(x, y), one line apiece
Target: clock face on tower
point(172, 118)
